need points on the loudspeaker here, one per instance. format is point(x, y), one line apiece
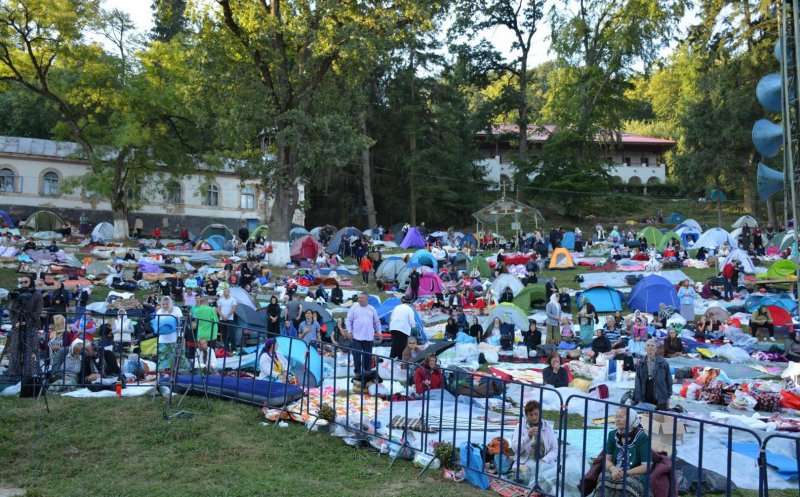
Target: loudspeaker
point(770, 181)
point(768, 92)
point(767, 138)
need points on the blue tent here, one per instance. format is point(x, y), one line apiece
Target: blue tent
point(568, 242)
point(652, 291)
point(603, 298)
point(413, 239)
point(675, 218)
point(782, 300)
point(294, 350)
point(425, 258)
point(336, 240)
point(7, 218)
point(373, 301)
point(469, 239)
point(296, 233)
point(714, 193)
point(217, 242)
point(385, 314)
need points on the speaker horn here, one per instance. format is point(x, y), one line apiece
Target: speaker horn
point(768, 92)
point(767, 138)
point(770, 181)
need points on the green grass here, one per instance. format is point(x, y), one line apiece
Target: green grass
point(113, 447)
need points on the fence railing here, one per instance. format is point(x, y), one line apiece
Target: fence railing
point(404, 414)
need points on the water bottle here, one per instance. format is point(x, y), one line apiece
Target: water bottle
point(119, 388)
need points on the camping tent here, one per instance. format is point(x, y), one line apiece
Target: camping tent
point(103, 232)
point(429, 284)
point(603, 298)
point(782, 241)
point(336, 240)
point(782, 300)
point(780, 317)
point(402, 276)
point(305, 247)
point(714, 238)
point(385, 314)
point(561, 259)
point(413, 239)
point(216, 242)
point(741, 256)
point(675, 218)
point(6, 219)
point(507, 280)
point(261, 231)
point(652, 291)
point(469, 239)
point(297, 232)
point(693, 225)
point(568, 242)
point(425, 258)
point(43, 221)
point(479, 262)
point(651, 234)
point(746, 219)
point(666, 237)
point(782, 268)
point(216, 229)
point(508, 313)
point(530, 295)
point(390, 268)
point(715, 195)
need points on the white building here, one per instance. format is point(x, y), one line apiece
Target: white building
point(33, 171)
point(637, 159)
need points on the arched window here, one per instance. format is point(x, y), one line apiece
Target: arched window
point(248, 199)
point(616, 180)
point(7, 183)
point(653, 180)
point(173, 195)
point(211, 197)
point(51, 184)
point(635, 180)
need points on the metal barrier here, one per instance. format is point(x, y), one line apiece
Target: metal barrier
point(791, 449)
point(655, 452)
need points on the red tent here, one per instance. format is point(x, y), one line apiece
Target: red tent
point(305, 247)
point(780, 317)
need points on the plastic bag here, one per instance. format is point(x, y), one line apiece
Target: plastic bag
point(743, 401)
point(422, 459)
point(399, 451)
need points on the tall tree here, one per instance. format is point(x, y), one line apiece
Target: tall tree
point(169, 19)
point(290, 48)
point(122, 110)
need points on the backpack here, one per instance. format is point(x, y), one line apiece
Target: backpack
point(472, 462)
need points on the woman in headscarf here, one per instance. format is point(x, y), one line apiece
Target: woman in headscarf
point(587, 319)
point(70, 366)
point(553, 311)
point(273, 317)
point(627, 452)
point(167, 324)
point(272, 365)
point(122, 327)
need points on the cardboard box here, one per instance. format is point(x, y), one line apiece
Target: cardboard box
point(664, 429)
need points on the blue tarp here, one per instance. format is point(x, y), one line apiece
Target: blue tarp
point(603, 298)
point(652, 291)
point(425, 258)
point(413, 239)
point(385, 314)
point(782, 300)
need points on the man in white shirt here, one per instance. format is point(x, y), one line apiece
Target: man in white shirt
point(226, 310)
point(400, 324)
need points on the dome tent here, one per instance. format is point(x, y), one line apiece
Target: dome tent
point(508, 313)
point(741, 256)
point(603, 298)
point(413, 239)
point(481, 264)
point(714, 238)
point(507, 281)
point(651, 234)
point(429, 284)
point(782, 268)
point(297, 232)
point(43, 221)
point(306, 247)
point(390, 268)
point(529, 295)
point(675, 218)
point(652, 291)
point(335, 242)
point(669, 235)
point(425, 258)
point(216, 230)
point(747, 219)
point(103, 232)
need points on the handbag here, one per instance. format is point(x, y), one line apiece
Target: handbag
point(472, 462)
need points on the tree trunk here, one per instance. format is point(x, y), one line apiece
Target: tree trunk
point(367, 174)
point(120, 216)
point(719, 202)
point(772, 219)
point(522, 121)
point(412, 152)
point(748, 194)
point(283, 206)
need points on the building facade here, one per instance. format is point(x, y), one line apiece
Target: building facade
point(33, 174)
point(636, 160)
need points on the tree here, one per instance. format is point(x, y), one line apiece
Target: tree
point(289, 49)
point(23, 113)
point(122, 109)
point(169, 18)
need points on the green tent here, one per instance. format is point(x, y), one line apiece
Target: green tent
point(260, 231)
point(530, 295)
point(781, 269)
point(777, 239)
point(43, 221)
point(666, 237)
point(651, 234)
point(216, 229)
point(479, 262)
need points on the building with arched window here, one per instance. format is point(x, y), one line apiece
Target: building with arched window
point(632, 159)
point(35, 174)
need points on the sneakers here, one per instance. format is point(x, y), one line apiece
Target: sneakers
point(771, 339)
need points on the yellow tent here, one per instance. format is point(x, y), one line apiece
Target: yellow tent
point(561, 259)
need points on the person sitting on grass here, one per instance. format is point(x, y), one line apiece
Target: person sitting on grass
point(103, 361)
point(428, 376)
point(673, 346)
point(205, 360)
point(793, 347)
point(69, 366)
point(272, 365)
point(628, 445)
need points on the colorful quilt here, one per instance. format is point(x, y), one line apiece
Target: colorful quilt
point(355, 406)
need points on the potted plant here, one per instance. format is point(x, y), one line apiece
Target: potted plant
point(445, 454)
point(325, 417)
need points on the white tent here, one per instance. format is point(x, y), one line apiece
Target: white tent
point(507, 280)
point(735, 234)
point(747, 218)
point(714, 238)
point(741, 256)
point(693, 225)
point(103, 232)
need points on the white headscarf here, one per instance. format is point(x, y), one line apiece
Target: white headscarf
point(74, 344)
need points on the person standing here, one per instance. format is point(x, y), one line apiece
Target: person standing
point(553, 310)
point(273, 317)
point(226, 310)
point(84, 224)
point(138, 227)
point(22, 347)
point(365, 266)
point(653, 379)
point(244, 233)
point(362, 324)
point(413, 283)
point(401, 324)
point(727, 276)
point(686, 294)
point(587, 319)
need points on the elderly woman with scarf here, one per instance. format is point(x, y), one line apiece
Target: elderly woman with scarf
point(167, 324)
point(71, 367)
point(272, 365)
point(627, 452)
point(553, 311)
point(587, 319)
